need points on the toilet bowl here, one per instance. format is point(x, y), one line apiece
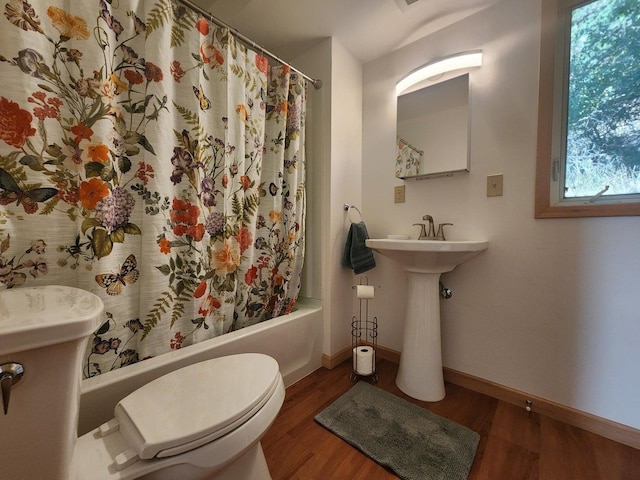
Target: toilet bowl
point(201, 422)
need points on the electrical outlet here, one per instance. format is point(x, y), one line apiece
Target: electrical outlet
point(494, 185)
point(398, 194)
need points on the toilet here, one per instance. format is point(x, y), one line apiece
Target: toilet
point(200, 422)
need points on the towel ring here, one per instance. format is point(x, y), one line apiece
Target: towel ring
point(347, 208)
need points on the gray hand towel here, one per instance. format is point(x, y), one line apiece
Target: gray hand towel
point(357, 255)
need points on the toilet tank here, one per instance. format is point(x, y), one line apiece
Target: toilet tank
point(44, 329)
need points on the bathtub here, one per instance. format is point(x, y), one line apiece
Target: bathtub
point(294, 340)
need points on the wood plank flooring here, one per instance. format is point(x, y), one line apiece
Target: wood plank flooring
point(514, 444)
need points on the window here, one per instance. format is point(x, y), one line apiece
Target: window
point(589, 109)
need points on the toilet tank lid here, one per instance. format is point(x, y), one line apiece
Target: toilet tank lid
point(36, 317)
point(194, 405)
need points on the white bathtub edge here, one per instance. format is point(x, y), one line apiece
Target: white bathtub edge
point(294, 340)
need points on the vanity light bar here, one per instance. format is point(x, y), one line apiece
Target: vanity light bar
point(448, 64)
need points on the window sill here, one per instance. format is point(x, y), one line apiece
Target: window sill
point(601, 210)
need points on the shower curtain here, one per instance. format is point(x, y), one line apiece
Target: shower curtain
point(148, 157)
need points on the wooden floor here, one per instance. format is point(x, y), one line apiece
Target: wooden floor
point(514, 444)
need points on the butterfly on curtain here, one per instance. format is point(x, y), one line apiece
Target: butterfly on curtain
point(11, 192)
point(205, 103)
point(114, 282)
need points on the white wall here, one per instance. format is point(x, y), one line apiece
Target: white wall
point(346, 182)
point(552, 307)
point(334, 158)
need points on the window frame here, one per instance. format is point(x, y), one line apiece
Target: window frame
point(552, 38)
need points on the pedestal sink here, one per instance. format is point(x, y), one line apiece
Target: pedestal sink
point(420, 372)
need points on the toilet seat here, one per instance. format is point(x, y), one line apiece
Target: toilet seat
point(112, 451)
point(195, 405)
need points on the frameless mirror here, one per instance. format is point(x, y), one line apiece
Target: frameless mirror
point(433, 130)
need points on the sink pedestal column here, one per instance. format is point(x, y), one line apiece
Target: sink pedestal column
point(420, 372)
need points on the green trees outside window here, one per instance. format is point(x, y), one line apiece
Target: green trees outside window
point(602, 111)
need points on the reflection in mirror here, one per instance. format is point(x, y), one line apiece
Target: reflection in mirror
point(433, 130)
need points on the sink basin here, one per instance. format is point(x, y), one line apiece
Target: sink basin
point(428, 256)
point(420, 371)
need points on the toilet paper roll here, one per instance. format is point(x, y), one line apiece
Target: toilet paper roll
point(364, 291)
point(364, 360)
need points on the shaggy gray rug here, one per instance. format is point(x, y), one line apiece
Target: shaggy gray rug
point(413, 442)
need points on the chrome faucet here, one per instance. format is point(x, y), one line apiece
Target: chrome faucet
point(424, 234)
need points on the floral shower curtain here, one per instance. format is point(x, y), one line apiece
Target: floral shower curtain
point(147, 157)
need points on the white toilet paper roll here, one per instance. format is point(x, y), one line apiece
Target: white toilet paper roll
point(364, 291)
point(364, 360)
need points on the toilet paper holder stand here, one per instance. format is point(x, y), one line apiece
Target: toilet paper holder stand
point(364, 335)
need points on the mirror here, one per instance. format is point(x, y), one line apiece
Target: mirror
point(433, 130)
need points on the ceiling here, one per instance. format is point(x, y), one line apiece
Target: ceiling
point(368, 29)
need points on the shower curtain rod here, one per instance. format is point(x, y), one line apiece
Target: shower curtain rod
point(317, 83)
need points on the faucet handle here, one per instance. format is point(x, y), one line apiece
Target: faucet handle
point(440, 234)
point(423, 231)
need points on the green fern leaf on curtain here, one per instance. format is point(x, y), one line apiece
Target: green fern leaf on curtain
point(236, 206)
point(165, 12)
point(184, 297)
point(251, 204)
point(182, 23)
point(192, 118)
point(155, 314)
point(49, 207)
point(237, 70)
point(158, 16)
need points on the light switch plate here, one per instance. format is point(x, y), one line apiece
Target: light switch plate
point(494, 185)
point(398, 194)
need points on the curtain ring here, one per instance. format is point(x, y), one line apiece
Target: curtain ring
point(348, 208)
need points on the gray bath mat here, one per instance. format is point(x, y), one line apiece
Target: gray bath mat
point(413, 442)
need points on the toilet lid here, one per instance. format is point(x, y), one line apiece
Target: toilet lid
point(195, 405)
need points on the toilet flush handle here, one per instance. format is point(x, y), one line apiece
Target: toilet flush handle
point(10, 374)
